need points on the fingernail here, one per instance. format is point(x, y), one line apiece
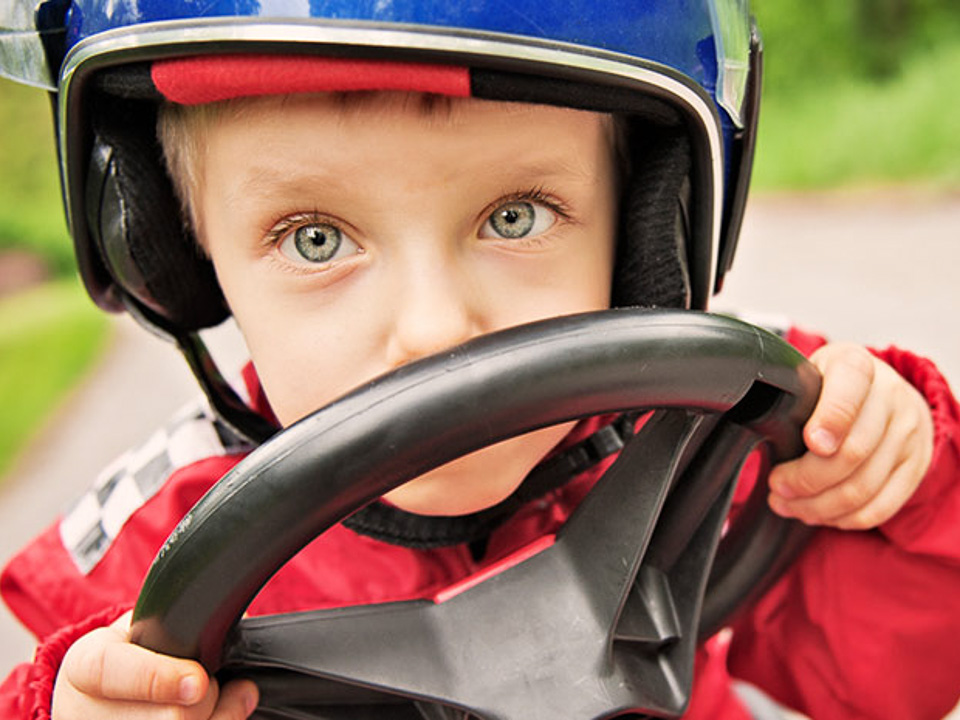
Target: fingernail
point(823, 441)
point(189, 690)
point(250, 703)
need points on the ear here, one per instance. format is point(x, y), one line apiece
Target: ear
point(136, 223)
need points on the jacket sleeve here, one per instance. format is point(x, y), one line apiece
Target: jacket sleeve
point(867, 624)
point(27, 693)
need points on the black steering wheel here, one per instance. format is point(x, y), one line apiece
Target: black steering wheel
point(602, 620)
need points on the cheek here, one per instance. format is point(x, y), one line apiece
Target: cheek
point(271, 345)
point(588, 279)
point(306, 356)
point(286, 355)
point(579, 276)
point(299, 372)
point(579, 279)
point(289, 386)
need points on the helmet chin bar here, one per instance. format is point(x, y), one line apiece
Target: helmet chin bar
point(600, 620)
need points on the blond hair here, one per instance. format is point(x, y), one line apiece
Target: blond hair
point(183, 132)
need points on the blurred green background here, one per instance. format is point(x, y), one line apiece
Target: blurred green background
point(857, 93)
point(50, 334)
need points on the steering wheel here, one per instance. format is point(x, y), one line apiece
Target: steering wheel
point(601, 620)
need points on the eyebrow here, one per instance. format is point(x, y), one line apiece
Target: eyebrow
point(274, 185)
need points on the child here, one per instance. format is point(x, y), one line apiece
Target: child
point(360, 214)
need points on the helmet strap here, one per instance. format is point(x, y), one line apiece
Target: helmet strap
point(225, 401)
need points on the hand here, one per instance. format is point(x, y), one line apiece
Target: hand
point(104, 675)
point(869, 441)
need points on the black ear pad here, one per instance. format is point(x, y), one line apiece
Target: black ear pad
point(651, 266)
point(136, 223)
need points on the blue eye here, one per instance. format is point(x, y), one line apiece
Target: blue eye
point(518, 219)
point(316, 243)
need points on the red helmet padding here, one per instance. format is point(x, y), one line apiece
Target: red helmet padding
point(211, 78)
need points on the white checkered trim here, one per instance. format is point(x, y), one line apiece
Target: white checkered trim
point(91, 525)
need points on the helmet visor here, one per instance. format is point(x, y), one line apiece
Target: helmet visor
point(732, 39)
point(22, 55)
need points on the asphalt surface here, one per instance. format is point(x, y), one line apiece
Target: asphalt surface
point(871, 268)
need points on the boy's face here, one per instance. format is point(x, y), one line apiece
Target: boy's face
point(353, 237)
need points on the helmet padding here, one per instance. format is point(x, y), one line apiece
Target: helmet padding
point(137, 223)
point(651, 267)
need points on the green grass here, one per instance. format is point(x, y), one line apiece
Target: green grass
point(31, 213)
point(49, 337)
point(855, 132)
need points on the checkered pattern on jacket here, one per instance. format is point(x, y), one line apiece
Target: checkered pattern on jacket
point(92, 523)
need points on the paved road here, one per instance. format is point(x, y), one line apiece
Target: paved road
point(85, 435)
point(874, 269)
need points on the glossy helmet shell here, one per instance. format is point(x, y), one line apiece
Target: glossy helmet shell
point(683, 73)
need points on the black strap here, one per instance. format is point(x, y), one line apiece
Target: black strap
point(399, 527)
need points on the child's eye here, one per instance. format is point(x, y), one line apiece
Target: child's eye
point(316, 243)
point(518, 219)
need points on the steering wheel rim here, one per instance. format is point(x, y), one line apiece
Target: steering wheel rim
point(514, 381)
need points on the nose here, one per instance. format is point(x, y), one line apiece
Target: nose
point(435, 308)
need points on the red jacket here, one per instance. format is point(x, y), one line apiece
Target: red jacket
point(863, 625)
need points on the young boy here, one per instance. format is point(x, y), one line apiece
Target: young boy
point(354, 232)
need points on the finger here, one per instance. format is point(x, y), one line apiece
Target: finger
point(811, 474)
point(104, 664)
point(71, 705)
point(913, 436)
point(237, 701)
point(876, 489)
point(887, 503)
point(82, 707)
point(848, 372)
point(852, 494)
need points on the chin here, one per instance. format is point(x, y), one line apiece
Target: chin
point(443, 493)
point(480, 480)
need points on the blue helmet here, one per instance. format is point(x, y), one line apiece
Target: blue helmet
point(683, 75)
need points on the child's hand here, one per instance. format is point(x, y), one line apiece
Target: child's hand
point(105, 676)
point(869, 441)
